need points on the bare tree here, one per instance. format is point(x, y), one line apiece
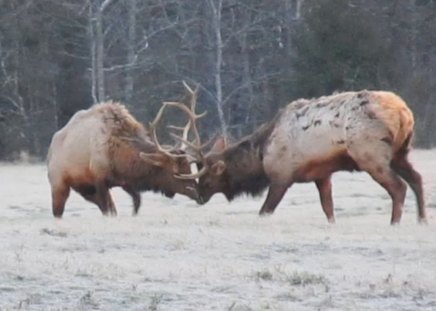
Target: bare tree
point(132, 7)
point(96, 11)
point(216, 7)
point(249, 57)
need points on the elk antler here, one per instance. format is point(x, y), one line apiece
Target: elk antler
point(152, 129)
point(195, 145)
point(186, 128)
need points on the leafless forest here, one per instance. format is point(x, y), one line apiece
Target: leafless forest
point(249, 57)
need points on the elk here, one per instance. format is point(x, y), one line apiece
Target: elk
point(309, 140)
point(105, 147)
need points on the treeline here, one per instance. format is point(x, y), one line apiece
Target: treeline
point(249, 57)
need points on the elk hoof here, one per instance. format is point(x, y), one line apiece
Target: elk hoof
point(422, 221)
point(265, 213)
point(331, 220)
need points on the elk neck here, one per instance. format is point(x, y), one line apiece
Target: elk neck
point(245, 173)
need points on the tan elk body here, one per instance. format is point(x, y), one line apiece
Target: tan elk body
point(309, 140)
point(105, 147)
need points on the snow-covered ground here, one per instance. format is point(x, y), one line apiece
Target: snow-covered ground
point(177, 256)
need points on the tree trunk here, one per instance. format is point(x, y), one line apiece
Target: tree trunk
point(99, 42)
point(247, 80)
point(298, 9)
point(216, 18)
point(130, 50)
point(93, 55)
point(97, 49)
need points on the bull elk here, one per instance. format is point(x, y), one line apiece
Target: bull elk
point(309, 140)
point(105, 147)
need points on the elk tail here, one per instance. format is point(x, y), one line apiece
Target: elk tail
point(406, 145)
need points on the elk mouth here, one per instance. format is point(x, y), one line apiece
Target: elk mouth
point(192, 193)
point(201, 200)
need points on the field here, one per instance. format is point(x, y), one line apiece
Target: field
point(176, 255)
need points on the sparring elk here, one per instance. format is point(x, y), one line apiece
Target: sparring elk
point(105, 147)
point(309, 140)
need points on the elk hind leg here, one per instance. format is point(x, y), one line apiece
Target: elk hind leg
point(401, 165)
point(325, 194)
point(377, 165)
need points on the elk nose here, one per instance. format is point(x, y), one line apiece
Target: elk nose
point(193, 194)
point(200, 200)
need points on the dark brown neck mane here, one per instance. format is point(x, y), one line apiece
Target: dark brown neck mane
point(129, 169)
point(244, 171)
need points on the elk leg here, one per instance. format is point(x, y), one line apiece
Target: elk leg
point(59, 197)
point(275, 195)
point(99, 196)
point(393, 184)
point(111, 204)
point(103, 199)
point(404, 168)
point(373, 155)
point(396, 189)
point(325, 194)
point(136, 198)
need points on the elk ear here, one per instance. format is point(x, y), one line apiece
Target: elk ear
point(155, 159)
point(219, 167)
point(219, 145)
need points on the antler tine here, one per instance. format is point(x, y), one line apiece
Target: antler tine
point(194, 95)
point(189, 88)
point(193, 175)
point(158, 116)
point(185, 133)
point(195, 146)
point(185, 130)
point(185, 141)
point(193, 117)
point(191, 113)
point(152, 127)
point(190, 144)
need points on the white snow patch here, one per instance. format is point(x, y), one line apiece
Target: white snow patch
point(176, 255)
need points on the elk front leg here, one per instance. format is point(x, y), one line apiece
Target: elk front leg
point(325, 194)
point(111, 204)
point(136, 198)
point(104, 200)
point(59, 197)
point(275, 195)
point(100, 196)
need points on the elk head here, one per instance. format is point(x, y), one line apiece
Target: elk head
point(213, 171)
point(174, 163)
point(210, 167)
